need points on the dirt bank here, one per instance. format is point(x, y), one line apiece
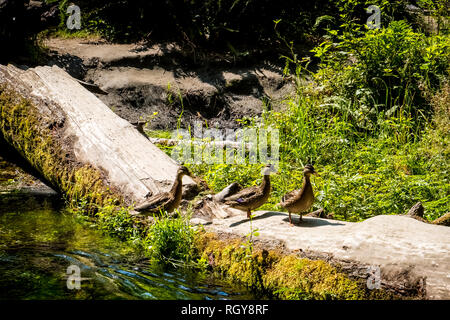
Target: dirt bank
point(173, 81)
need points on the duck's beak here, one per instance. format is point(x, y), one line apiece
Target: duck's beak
point(316, 174)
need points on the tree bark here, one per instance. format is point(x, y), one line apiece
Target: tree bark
point(79, 145)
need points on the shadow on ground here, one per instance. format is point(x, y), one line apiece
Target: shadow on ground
point(307, 222)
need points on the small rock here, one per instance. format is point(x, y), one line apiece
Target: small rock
point(417, 210)
point(317, 214)
point(320, 214)
point(229, 190)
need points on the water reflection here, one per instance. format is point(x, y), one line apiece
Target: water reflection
point(38, 243)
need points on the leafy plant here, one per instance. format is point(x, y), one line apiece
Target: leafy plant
point(117, 222)
point(170, 240)
point(248, 244)
point(383, 73)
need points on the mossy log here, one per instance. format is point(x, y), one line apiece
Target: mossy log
point(77, 143)
point(411, 256)
point(279, 274)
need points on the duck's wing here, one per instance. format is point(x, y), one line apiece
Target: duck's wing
point(291, 197)
point(158, 201)
point(244, 196)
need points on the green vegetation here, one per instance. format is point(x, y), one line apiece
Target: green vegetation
point(373, 119)
point(118, 222)
point(171, 240)
point(166, 241)
point(374, 74)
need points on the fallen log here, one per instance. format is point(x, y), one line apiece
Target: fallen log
point(77, 143)
point(411, 255)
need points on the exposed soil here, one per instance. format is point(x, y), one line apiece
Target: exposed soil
point(175, 82)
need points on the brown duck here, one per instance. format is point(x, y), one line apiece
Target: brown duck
point(300, 201)
point(251, 198)
point(166, 201)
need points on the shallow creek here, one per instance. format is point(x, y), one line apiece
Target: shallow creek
point(39, 240)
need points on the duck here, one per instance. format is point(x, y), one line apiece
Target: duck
point(251, 198)
point(300, 200)
point(166, 201)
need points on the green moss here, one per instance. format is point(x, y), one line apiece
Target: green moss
point(231, 260)
point(279, 275)
point(21, 127)
point(294, 278)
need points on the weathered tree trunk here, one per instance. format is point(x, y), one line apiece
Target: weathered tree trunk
point(76, 142)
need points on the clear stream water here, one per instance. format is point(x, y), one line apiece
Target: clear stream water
point(39, 241)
